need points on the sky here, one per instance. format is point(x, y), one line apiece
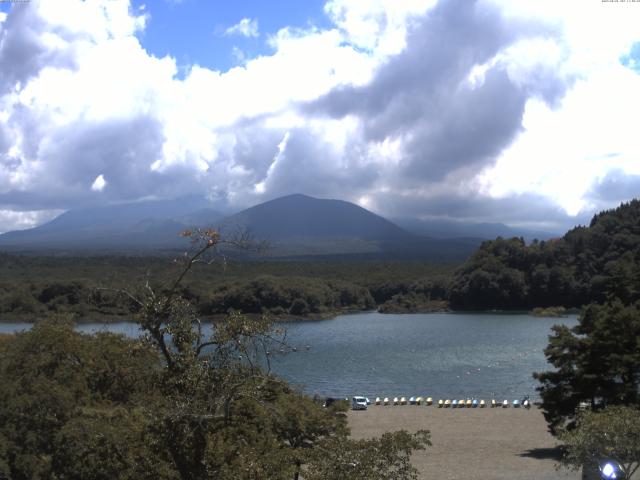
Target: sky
point(506, 111)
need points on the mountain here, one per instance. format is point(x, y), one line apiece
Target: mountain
point(294, 226)
point(302, 226)
point(150, 224)
point(299, 216)
point(436, 228)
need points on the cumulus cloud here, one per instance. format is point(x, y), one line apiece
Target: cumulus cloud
point(246, 27)
point(472, 109)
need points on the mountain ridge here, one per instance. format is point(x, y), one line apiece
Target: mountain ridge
point(296, 226)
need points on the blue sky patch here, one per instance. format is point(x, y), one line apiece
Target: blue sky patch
point(632, 59)
point(193, 31)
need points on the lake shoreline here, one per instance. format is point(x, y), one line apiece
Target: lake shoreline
point(287, 318)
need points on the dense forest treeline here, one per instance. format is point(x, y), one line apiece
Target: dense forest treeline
point(589, 264)
point(33, 287)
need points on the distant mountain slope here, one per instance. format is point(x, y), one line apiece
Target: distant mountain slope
point(150, 224)
point(453, 229)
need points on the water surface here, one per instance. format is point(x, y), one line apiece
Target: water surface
point(444, 355)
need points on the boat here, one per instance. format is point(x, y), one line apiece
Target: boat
point(447, 403)
point(429, 401)
point(474, 403)
point(505, 404)
point(419, 401)
point(482, 404)
point(378, 400)
point(468, 403)
point(403, 400)
point(516, 404)
point(494, 404)
point(395, 400)
point(412, 400)
point(440, 403)
point(454, 403)
point(386, 401)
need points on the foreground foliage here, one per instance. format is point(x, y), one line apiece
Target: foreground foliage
point(613, 433)
point(175, 404)
point(597, 362)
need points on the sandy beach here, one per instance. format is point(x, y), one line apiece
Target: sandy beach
point(471, 443)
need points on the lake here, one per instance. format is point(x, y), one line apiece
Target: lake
point(443, 355)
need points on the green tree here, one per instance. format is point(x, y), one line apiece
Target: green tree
point(341, 458)
point(597, 361)
point(613, 433)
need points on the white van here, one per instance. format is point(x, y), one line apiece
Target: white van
point(358, 403)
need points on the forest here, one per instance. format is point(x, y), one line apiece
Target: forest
point(33, 287)
point(588, 264)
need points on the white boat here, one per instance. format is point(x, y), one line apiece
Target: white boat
point(505, 404)
point(454, 403)
point(378, 401)
point(403, 400)
point(468, 403)
point(429, 401)
point(440, 403)
point(396, 400)
point(386, 401)
point(494, 404)
point(482, 404)
point(516, 404)
point(412, 400)
point(419, 401)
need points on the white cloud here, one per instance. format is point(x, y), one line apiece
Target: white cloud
point(99, 183)
point(246, 27)
point(16, 220)
point(81, 100)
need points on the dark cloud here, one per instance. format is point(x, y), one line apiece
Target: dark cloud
point(123, 151)
point(614, 188)
point(525, 210)
point(23, 53)
point(310, 164)
point(422, 95)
